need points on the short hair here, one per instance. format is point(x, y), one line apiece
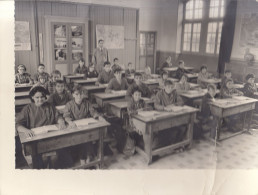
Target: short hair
point(59, 82)
point(41, 65)
point(115, 59)
point(203, 67)
point(211, 86)
point(168, 82)
point(137, 74)
point(21, 65)
point(100, 40)
point(129, 63)
point(180, 62)
point(106, 63)
point(164, 72)
point(77, 88)
point(36, 89)
point(227, 71)
point(56, 72)
point(249, 76)
point(42, 77)
point(134, 89)
point(118, 69)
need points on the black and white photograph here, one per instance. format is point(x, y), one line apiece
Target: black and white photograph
point(153, 85)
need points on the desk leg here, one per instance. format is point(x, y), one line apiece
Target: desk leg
point(100, 152)
point(190, 130)
point(147, 138)
point(218, 129)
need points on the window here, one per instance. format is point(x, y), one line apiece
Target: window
point(202, 25)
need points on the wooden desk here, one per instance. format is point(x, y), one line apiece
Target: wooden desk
point(213, 81)
point(90, 89)
point(104, 98)
point(194, 85)
point(192, 77)
point(90, 81)
point(155, 76)
point(151, 83)
point(22, 87)
point(22, 94)
point(222, 108)
point(60, 109)
point(70, 78)
point(52, 141)
point(238, 86)
point(172, 79)
point(22, 102)
point(173, 69)
point(140, 71)
point(165, 120)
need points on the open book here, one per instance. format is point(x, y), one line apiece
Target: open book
point(121, 92)
point(84, 122)
point(44, 129)
point(147, 114)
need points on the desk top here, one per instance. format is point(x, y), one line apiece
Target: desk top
point(159, 115)
point(238, 86)
point(57, 133)
point(22, 94)
point(151, 81)
point(123, 103)
point(214, 81)
point(195, 93)
point(21, 102)
point(93, 87)
point(175, 68)
point(172, 79)
point(110, 95)
point(232, 102)
point(91, 80)
point(74, 76)
point(18, 86)
point(140, 71)
point(191, 76)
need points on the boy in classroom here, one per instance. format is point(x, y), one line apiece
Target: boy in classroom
point(92, 73)
point(164, 76)
point(130, 70)
point(164, 99)
point(41, 82)
point(207, 118)
point(147, 73)
point(117, 83)
point(227, 75)
point(228, 90)
point(181, 69)
point(55, 75)
point(79, 108)
point(145, 91)
point(81, 68)
point(36, 114)
point(167, 63)
point(41, 72)
point(182, 85)
point(203, 76)
point(106, 74)
point(60, 96)
point(116, 64)
point(22, 76)
point(250, 89)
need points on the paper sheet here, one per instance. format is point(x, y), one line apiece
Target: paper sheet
point(44, 129)
point(84, 122)
point(148, 113)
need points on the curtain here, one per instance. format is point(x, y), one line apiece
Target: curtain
point(227, 35)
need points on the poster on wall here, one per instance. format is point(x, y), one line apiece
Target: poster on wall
point(113, 36)
point(249, 31)
point(22, 36)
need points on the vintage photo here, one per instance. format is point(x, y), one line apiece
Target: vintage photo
point(136, 85)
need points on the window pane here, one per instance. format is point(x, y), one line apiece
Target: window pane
point(219, 36)
point(187, 37)
point(198, 9)
point(216, 8)
point(189, 10)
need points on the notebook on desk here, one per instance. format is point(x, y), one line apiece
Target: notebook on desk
point(44, 129)
point(84, 122)
point(121, 92)
point(147, 114)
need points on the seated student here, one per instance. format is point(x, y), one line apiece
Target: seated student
point(203, 76)
point(250, 87)
point(22, 76)
point(207, 118)
point(55, 75)
point(60, 96)
point(80, 108)
point(181, 69)
point(36, 114)
point(41, 72)
point(167, 63)
point(145, 91)
point(116, 64)
point(182, 85)
point(106, 74)
point(228, 90)
point(117, 83)
point(92, 73)
point(81, 68)
point(130, 70)
point(164, 76)
point(147, 73)
point(41, 82)
point(226, 76)
point(164, 99)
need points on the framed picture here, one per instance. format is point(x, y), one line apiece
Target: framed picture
point(76, 31)
point(59, 30)
point(77, 54)
point(77, 43)
point(60, 43)
point(60, 54)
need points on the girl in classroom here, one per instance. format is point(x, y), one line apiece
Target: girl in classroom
point(22, 76)
point(182, 85)
point(203, 76)
point(81, 68)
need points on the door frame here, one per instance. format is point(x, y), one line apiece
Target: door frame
point(155, 47)
point(48, 47)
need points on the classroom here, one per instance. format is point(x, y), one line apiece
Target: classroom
point(140, 84)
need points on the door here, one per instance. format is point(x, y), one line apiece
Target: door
point(68, 46)
point(148, 50)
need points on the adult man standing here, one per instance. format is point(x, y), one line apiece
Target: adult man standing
point(100, 55)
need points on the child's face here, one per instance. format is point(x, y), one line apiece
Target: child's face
point(212, 92)
point(21, 70)
point(183, 79)
point(147, 70)
point(81, 63)
point(169, 88)
point(91, 69)
point(101, 43)
point(204, 70)
point(42, 80)
point(56, 77)
point(229, 85)
point(182, 65)
point(107, 68)
point(228, 75)
point(137, 96)
point(38, 98)
point(116, 62)
point(165, 76)
point(118, 75)
point(130, 66)
point(251, 80)
point(41, 69)
point(78, 96)
point(59, 88)
point(138, 80)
